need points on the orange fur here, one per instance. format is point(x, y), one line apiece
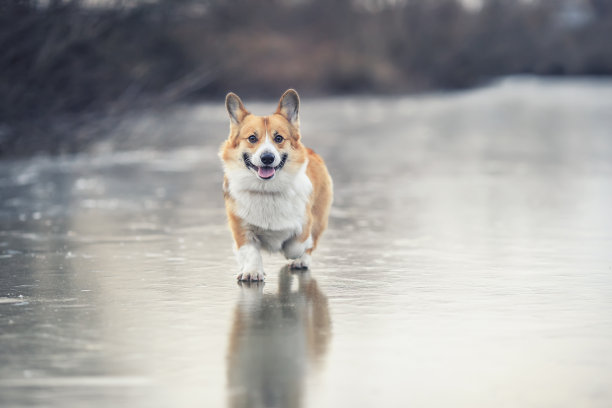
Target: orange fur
point(322, 195)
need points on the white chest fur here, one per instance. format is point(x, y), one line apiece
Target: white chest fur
point(274, 210)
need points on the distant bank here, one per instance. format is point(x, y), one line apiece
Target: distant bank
point(509, 103)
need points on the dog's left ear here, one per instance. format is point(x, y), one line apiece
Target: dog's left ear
point(289, 106)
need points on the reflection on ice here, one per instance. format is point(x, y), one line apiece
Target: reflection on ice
point(276, 340)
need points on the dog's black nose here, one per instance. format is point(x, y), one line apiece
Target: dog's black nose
point(267, 158)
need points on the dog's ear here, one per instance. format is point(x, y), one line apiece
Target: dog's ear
point(289, 106)
point(235, 108)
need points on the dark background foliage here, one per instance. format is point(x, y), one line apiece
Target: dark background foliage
point(69, 57)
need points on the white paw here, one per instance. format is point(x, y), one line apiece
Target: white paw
point(251, 276)
point(302, 263)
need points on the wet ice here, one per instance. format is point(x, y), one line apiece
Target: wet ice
point(467, 261)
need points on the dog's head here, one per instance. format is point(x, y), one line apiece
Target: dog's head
point(263, 149)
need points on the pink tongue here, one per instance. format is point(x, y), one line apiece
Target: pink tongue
point(265, 172)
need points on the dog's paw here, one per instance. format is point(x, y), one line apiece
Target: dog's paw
point(251, 276)
point(302, 263)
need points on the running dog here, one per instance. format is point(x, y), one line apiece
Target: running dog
point(277, 192)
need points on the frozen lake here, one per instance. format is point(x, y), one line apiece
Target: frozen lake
point(468, 262)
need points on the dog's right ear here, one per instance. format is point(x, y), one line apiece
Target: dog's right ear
point(235, 108)
point(289, 106)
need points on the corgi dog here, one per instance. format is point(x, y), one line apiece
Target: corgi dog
point(277, 192)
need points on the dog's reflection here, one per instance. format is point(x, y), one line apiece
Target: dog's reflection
point(275, 340)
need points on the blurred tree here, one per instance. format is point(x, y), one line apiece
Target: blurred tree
point(68, 57)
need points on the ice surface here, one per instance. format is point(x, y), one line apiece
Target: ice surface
point(468, 262)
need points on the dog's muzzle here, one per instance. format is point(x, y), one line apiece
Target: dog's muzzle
point(264, 172)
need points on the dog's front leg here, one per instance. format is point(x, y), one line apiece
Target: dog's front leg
point(246, 249)
point(250, 263)
point(298, 248)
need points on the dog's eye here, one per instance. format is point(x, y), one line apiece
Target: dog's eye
point(278, 138)
point(252, 139)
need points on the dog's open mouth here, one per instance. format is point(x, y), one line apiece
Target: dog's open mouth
point(264, 172)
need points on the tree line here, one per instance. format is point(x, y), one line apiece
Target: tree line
point(69, 57)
